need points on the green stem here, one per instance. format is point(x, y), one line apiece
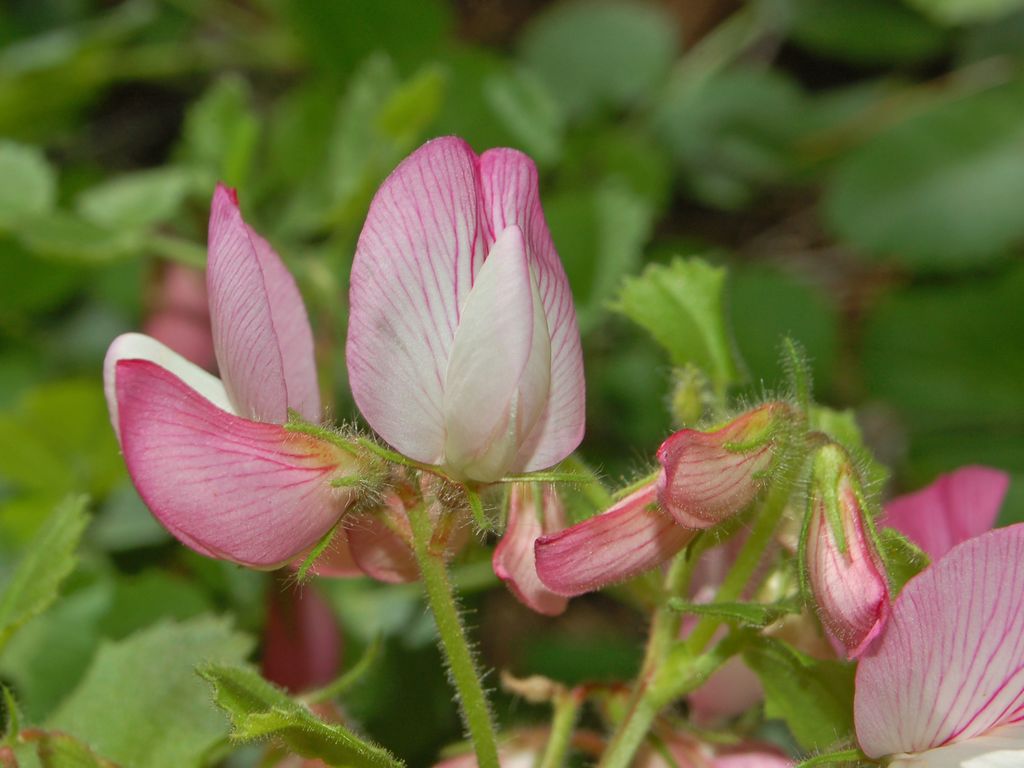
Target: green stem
point(750, 555)
point(642, 709)
point(563, 722)
point(469, 690)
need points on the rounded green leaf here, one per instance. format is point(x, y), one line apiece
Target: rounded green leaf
point(29, 183)
point(941, 190)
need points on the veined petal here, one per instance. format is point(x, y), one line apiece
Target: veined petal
point(508, 180)
point(956, 507)
point(530, 515)
point(229, 488)
point(710, 476)
point(630, 538)
point(261, 333)
point(137, 346)
point(950, 665)
point(999, 748)
point(414, 267)
point(496, 386)
point(381, 543)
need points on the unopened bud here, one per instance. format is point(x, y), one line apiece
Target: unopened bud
point(844, 570)
point(710, 476)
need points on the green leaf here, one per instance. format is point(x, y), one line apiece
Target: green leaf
point(814, 697)
point(903, 559)
point(221, 132)
point(597, 54)
point(12, 716)
point(600, 236)
point(65, 236)
point(258, 711)
point(529, 112)
point(137, 200)
point(141, 703)
point(866, 31)
point(940, 190)
point(680, 305)
point(756, 615)
point(29, 183)
point(49, 558)
point(966, 11)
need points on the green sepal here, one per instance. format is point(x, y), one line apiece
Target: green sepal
point(754, 615)
point(902, 558)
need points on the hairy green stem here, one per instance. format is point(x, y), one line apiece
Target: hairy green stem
point(563, 722)
point(470, 692)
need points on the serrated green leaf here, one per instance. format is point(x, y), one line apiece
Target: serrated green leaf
point(258, 710)
point(597, 54)
point(141, 703)
point(49, 558)
point(940, 190)
point(903, 559)
point(29, 183)
point(814, 697)
point(680, 305)
point(756, 615)
point(137, 200)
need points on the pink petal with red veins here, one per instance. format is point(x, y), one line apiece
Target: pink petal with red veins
point(380, 547)
point(138, 346)
point(496, 385)
point(956, 507)
point(710, 476)
point(514, 560)
point(508, 181)
point(414, 267)
point(630, 538)
point(261, 333)
point(302, 643)
point(950, 665)
point(230, 488)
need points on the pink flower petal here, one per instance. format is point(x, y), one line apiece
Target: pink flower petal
point(510, 196)
point(496, 386)
point(710, 476)
point(630, 538)
point(230, 488)
point(956, 507)
point(950, 665)
point(137, 346)
point(514, 560)
point(302, 643)
point(417, 257)
point(999, 748)
point(731, 690)
point(380, 543)
point(261, 333)
point(335, 562)
point(850, 588)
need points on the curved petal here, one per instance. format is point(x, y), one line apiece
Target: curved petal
point(230, 488)
point(261, 333)
point(508, 181)
point(956, 507)
point(1000, 748)
point(138, 346)
point(950, 664)
point(380, 550)
point(514, 561)
point(630, 538)
point(496, 386)
point(414, 266)
point(335, 562)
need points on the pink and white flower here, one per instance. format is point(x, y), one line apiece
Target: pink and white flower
point(944, 685)
point(463, 349)
point(210, 456)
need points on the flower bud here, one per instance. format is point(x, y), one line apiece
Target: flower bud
point(710, 476)
point(845, 572)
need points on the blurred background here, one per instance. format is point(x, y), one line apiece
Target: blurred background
point(858, 165)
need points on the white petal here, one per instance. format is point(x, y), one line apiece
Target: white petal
point(1001, 748)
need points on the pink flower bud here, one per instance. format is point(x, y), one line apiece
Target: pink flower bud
point(710, 476)
point(531, 514)
point(846, 575)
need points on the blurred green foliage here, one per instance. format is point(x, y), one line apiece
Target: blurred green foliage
point(855, 166)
